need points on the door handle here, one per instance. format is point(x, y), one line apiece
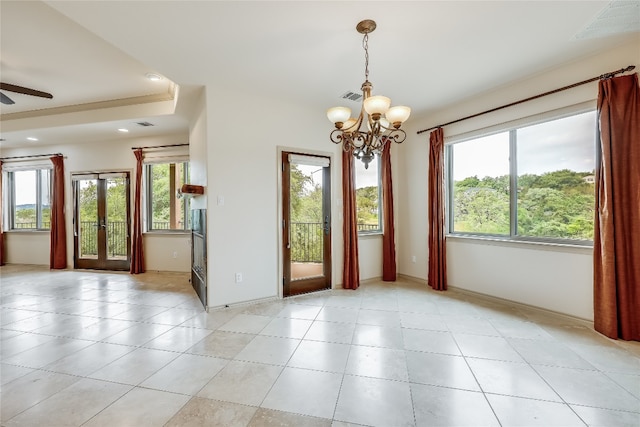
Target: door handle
point(326, 225)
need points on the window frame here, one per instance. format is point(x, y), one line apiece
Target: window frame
point(148, 195)
point(512, 128)
point(11, 199)
point(378, 230)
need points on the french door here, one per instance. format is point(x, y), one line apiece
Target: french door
point(102, 221)
point(306, 225)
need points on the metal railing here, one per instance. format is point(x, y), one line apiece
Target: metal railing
point(165, 225)
point(116, 238)
point(31, 225)
point(306, 240)
point(368, 227)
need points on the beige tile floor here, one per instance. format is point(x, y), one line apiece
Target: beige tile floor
point(111, 349)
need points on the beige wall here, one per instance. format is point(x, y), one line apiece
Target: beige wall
point(243, 167)
point(116, 155)
point(557, 279)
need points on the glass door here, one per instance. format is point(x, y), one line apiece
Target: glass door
point(306, 213)
point(102, 221)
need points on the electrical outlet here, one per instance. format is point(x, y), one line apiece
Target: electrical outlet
point(238, 277)
point(413, 259)
point(175, 254)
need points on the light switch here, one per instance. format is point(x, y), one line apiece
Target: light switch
point(220, 200)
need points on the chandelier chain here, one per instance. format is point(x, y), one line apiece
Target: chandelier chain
point(365, 44)
point(368, 134)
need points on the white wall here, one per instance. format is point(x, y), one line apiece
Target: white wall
point(242, 159)
point(558, 280)
point(116, 155)
point(198, 151)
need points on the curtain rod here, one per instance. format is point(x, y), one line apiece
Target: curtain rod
point(601, 77)
point(31, 157)
point(159, 146)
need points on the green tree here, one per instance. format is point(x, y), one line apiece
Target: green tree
point(367, 205)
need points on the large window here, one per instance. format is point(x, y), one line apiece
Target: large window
point(368, 206)
point(29, 199)
point(165, 209)
point(533, 182)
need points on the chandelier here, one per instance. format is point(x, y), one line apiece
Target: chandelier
point(367, 135)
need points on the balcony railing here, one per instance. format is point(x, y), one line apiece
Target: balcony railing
point(116, 238)
point(306, 240)
point(31, 225)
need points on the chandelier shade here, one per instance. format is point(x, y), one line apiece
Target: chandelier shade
point(339, 114)
point(376, 105)
point(378, 122)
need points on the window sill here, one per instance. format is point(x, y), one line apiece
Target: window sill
point(27, 231)
point(370, 234)
point(524, 244)
point(164, 233)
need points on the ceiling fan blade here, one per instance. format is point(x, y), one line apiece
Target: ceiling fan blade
point(25, 90)
point(5, 99)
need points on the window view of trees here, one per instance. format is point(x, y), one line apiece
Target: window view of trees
point(167, 211)
point(306, 213)
point(368, 195)
point(555, 195)
point(554, 204)
point(31, 206)
point(115, 216)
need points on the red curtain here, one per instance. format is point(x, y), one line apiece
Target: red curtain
point(351, 269)
point(58, 252)
point(616, 242)
point(1, 219)
point(437, 276)
point(137, 250)
point(388, 236)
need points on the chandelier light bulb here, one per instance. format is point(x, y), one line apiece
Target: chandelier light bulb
point(349, 125)
point(376, 105)
point(338, 115)
point(376, 124)
point(398, 115)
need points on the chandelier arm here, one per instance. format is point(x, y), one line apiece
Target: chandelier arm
point(365, 143)
point(398, 136)
point(336, 136)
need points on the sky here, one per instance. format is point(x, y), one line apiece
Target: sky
point(364, 177)
point(567, 143)
point(26, 189)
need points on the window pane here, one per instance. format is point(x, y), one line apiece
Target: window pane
point(481, 185)
point(368, 195)
point(88, 213)
point(116, 218)
point(25, 215)
point(556, 162)
point(167, 211)
point(45, 197)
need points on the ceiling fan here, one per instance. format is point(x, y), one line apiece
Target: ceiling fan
point(19, 89)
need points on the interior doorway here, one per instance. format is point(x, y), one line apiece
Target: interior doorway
point(101, 220)
point(306, 225)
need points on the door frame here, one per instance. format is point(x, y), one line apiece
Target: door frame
point(280, 219)
point(115, 265)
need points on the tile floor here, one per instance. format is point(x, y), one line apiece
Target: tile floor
point(111, 349)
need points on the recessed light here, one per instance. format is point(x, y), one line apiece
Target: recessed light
point(153, 77)
point(31, 138)
point(123, 130)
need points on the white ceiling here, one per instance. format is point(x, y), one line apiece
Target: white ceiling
point(425, 54)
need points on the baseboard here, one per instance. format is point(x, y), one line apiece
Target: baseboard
point(517, 304)
point(492, 298)
point(412, 279)
point(243, 303)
